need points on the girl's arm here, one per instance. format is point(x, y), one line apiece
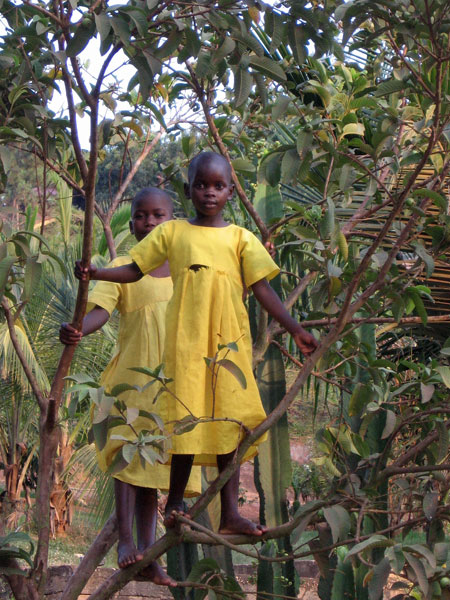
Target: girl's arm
point(124, 274)
point(94, 320)
point(276, 309)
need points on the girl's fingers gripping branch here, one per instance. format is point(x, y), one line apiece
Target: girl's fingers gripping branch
point(84, 273)
point(305, 341)
point(68, 335)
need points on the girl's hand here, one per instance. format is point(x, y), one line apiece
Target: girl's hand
point(270, 247)
point(84, 273)
point(68, 335)
point(305, 341)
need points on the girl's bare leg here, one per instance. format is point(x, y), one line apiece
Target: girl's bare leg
point(179, 475)
point(146, 517)
point(127, 553)
point(230, 519)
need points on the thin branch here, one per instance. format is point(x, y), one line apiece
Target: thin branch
point(389, 471)
point(44, 12)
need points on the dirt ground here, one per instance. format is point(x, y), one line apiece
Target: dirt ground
point(300, 452)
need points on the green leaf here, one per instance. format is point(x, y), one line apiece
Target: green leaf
point(231, 346)
point(363, 102)
point(419, 571)
point(289, 166)
point(243, 82)
point(430, 504)
point(375, 541)
point(353, 129)
point(232, 367)
point(444, 372)
point(280, 107)
point(426, 392)
point(339, 521)
point(390, 87)
point(100, 432)
point(117, 436)
point(304, 142)
point(128, 452)
point(398, 308)
point(443, 441)
point(103, 25)
point(327, 223)
point(187, 423)
point(243, 166)
point(316, 88)
point(204, 65)
point(153, 417)
point(5, 268)
point(118, 464)
point(269, 67)
point(82, 378)
point(418, 303)
point(358, 400)
point(120, 388)
point(441, 550)
point(268, 203)
point(227, 47)
point(157, 114)
point(298, 40)
point(206, 565)
point(150, 455)
point(391, 421)
point(437, 198)
point(33, 271)
point(379, 578)
point(81, 38)
point(103, 407)
point(132, 414)
point(423, 254)
point(146, 371)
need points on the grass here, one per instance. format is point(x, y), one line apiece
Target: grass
point(311, 410)
point(69, 548)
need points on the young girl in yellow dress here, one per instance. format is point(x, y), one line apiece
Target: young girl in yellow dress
point(142, 307)
point(210, 261)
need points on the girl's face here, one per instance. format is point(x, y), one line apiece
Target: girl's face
point(210, 189)
point(147, 214)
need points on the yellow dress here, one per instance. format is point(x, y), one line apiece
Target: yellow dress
point(142, 307)
point(208, 266)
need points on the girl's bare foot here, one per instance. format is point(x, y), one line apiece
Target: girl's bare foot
point(239, 525)
point(127, 554)
point(170, 520)
point(154, 573)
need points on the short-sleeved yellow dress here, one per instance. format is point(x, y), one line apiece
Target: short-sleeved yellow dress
point(209, 267)
point(142, 307)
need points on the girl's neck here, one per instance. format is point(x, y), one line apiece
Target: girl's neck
point(208, 221)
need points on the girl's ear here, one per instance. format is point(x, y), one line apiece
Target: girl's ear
point(231, 191)
point(131, 227)
point(187, 192)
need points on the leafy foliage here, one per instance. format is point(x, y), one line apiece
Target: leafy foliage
point(339, 149)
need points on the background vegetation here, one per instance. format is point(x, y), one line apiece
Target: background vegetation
point(335, 118)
